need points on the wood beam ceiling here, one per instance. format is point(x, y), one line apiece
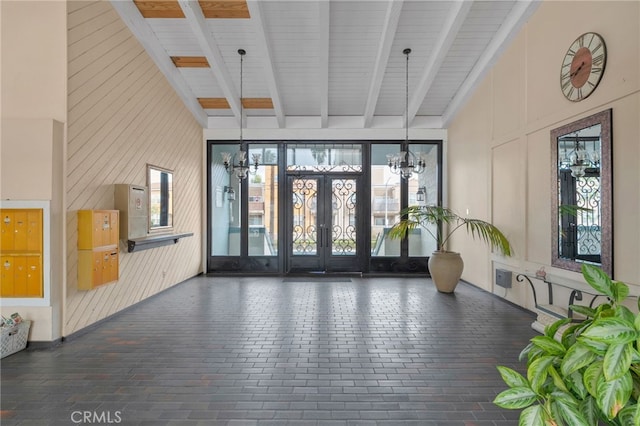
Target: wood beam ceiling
point(249, 103)
point(190, 61)
point(211, 9)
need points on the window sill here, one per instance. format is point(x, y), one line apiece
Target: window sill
point(146, 243)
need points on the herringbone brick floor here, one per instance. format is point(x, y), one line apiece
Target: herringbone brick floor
point(279, 351)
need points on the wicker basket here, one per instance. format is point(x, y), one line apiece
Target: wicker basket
point(14, 339)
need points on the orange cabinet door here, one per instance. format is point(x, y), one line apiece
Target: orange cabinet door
point(106, 267)
point(34, 230)
point(19, 276)
point(6, 285)
point(20, 230)
point(7, 229)
point(114, 231)
point(114, 267)
point(34, 277)
point(97, 269)
point(98, 228)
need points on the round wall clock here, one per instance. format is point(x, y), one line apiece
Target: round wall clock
point(583, 66)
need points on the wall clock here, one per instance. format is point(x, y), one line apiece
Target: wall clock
point(583, 66)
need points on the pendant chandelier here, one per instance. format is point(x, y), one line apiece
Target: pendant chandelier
point(579, 159)
point(406, 163)
point(242, 168)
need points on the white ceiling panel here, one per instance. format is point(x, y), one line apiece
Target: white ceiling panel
point(332, 58)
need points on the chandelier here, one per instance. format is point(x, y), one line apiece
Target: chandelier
point(579, 159)
point(406, 163)
point(242, 168)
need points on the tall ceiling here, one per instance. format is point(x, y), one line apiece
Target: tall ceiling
point(323, 62)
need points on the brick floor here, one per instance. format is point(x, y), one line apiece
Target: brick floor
point(272, 351)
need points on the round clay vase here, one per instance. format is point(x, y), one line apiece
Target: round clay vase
point(445, 268)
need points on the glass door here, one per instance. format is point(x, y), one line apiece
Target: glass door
point(323, 223)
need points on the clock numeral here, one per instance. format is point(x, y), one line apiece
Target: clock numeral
point(590, 83)
point(595, 49)
point(581, 42)
point(566, 84)
point(597, 60)
point(596, 70)
point(579, 92)
point(570, 93)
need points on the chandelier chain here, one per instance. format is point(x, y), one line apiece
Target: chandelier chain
point(406, 111)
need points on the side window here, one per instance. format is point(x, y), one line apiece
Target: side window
point(160, 184)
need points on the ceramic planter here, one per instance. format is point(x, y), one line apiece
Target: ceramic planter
point(445, 268)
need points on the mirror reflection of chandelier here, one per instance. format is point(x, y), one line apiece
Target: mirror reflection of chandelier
point(581, 156)
point(242, 168)
point(406, 163)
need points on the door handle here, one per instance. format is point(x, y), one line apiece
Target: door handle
point(320, 234)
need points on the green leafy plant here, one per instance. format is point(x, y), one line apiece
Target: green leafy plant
point(421, 216)
point(591, 375)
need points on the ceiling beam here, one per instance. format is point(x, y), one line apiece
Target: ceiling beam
point(224, 9)
point(258, 103)
point(264, 47)
point(323, 63)
point(382, 58)
point(214, 103)
point(159, 8)
point(452, 25)
point(190, 61)
point(521, 12)
point(197, 23)
point(132, 17)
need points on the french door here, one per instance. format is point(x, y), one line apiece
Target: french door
point(324, 223)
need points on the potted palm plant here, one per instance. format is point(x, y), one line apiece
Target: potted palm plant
point(446, 266)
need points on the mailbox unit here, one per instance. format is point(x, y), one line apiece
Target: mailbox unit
point(132, 201)
point(21, 253)
point(98, 254)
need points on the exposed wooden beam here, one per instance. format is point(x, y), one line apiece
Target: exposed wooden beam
point(137, 24)
point(196, 21)
point(190, 61)
point(159, 8)
point(214, 103)
point(257, 103)
point(459, 12)
point(212, 9)
point(323, 71)
point(382, 58)
point(520, 13)
point(227, 9)
point(263, 46)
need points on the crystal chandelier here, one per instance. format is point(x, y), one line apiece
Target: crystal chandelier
point(406, 163)
point(242, 168)
point(580, 159)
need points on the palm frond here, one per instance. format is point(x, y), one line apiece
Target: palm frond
point(420, 216)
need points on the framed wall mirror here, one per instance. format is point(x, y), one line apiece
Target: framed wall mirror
point(582, 193)
point(160, 184)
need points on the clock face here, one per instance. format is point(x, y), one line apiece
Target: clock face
point(583, 66)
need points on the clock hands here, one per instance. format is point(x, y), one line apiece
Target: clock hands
point(573, 74)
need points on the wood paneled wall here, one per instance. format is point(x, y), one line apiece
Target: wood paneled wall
point(122, 115)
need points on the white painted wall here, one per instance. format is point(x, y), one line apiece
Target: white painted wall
point(499, 145)
point(34, 104)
